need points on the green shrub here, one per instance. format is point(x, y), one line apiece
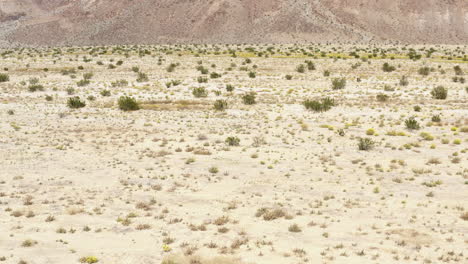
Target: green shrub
point(233, 141)
point(310, 65)
point(199, 92)
point(338, 83)
point(215, 75)
point(300, 68)
point(142, 77)
point(220, 105)
point(412, 124)
point(35, 87)
point(4, 77)
point(436, 118)
point(202, 79)
point(458, 70)
point(323, 105)
point(70, 90)
point(249, 98)
point(439, 92)
point(382, 97)
point(417, 108)
point(229, 87)
point(88, 76)
point(82, 83)
point(89, 260)
point(424, 71)
point(105, 93)
point(404, 81)
point(365, 144)
point(252, 74)
point(388, 68)
point(75, 102)
point(127, 103)
point(119, 83)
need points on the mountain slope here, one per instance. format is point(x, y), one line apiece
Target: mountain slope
point(64, 22)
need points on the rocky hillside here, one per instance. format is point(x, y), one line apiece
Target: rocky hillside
point(80, 22)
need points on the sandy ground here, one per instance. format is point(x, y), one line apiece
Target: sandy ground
point(112, 186)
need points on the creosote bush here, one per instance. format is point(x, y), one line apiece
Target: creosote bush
point(75, 102)
point(220, 105)
point(322, 105)
point(142, 77)
point(439, 93)
point(382, 97)
point(232, 141)
point(388, 68)
point(127, 103)
point(412, 124)
point(199, 92)
point(338, 83)
point(249, 98)
point(365, 144)
point(4, 77)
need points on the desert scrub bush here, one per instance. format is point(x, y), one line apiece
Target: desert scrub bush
point(439, 93)
point(105, 93)
point(288, 77)
point(321, 105)
point(388, 88)
point(412, 124)
point(89, 260)
point(83, 82)
point(49, 98)
point(417, 108)
point(232, 141)
point(127, 103)
point(382, 97)
point(215, 75)
point(300, 68)
point(201, 79)
point(75, 102)
point(338, 83)
point(213, 170)
point(220, 105)
point(426, 136)
point(35, 87)
point(88, 76)
point(370, 132)
point(249, 98)
point(387, 67)
point(404, 81)
point(458, 70)
point(294, 228)
point(229, 87)
point(365, 144)
point(436, 118)
point(310, 65)
point(252, 74)
point(424, 71)
point(199, 92)
point(172, 67)
point(4, 77)
point(142, 77)
point(119, 83)
point(326, 73)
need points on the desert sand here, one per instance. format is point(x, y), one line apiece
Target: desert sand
point(270, 181)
